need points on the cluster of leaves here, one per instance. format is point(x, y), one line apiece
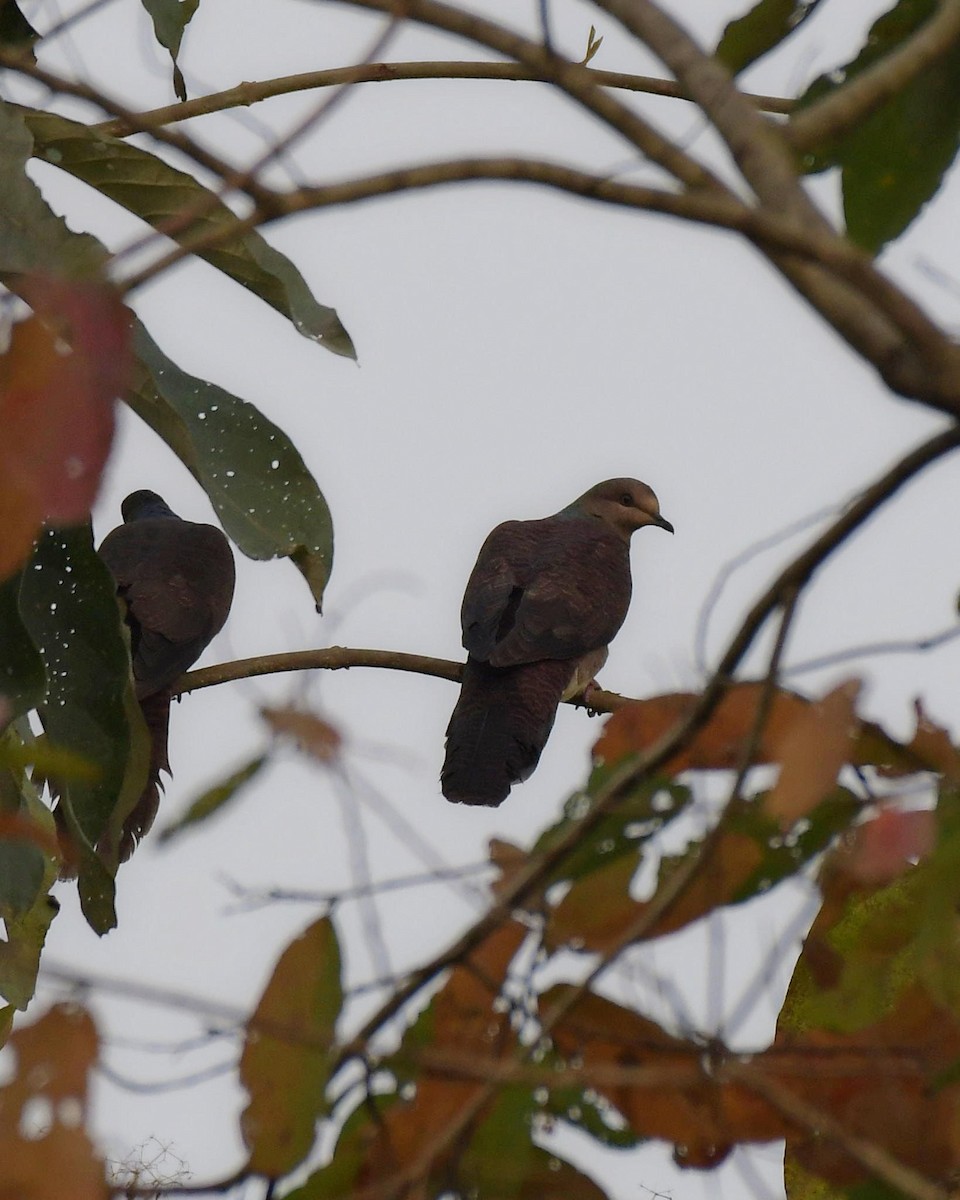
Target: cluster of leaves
point(867, 1042)
point(893, 161)
point(76, 349)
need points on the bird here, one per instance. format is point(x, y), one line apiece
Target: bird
point(541, 605)
point(175, 580)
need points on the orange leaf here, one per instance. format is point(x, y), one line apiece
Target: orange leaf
point(54, 1057)
point(720, 745)
point(887, 1084)
point(811, 752)
point(597, 913)
point(462, 1018)
point(679, 1099)
point(932, 747)
point(64, 369)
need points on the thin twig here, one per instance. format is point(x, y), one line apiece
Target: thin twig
point(243, 95)
point(869, 1154)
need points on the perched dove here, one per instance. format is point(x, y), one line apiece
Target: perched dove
point(542, 603)
point(176, 579)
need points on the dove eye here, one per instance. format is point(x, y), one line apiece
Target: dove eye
point(626, 500)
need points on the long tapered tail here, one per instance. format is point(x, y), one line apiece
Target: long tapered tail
point(499, 728)
point(156, 714)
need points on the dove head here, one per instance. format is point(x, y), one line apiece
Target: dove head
point(625, 504)
point(144, 504)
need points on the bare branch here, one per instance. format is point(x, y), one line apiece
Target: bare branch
point(873, 649)
point(576, 80)
point(333, 658)
point(244, 95)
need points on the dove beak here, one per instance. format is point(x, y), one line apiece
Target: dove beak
point(662, 522)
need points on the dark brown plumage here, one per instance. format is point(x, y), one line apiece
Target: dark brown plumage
point(176, 579)
point(541, 605)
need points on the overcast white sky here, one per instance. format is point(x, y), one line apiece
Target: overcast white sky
point(515, 347)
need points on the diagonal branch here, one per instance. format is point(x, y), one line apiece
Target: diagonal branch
point(574, 79)
point(910, 351)
point(794, 577)
point(878, 1161)
point(849, 105)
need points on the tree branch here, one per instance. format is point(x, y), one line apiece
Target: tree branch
point(574, 79)
point(260, 195)
point(911, 353)
point(849, 105)
point(246, 94)
point(873, 1157)
point(795, 576)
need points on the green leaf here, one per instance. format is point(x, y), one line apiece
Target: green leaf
point(643, 813)
point(761, 30)
point(68, 603)
point(587, 1110)
point(20, 953)
point(170, 18)
point(804, 1185)
point(28, 839)
point(22, 677)
point(285, 1065)
point(214, 798)
point(893, 162)
point(884, 941)
point(268, 501)
point(340, 1177)
point(21, 876)
point(48, 760)
point(784, 856)
point(28, 869)
point(151, 189)
point(502, 1160)
point(32, 237)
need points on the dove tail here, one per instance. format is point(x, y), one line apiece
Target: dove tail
point(499, 728)
point(156, 714)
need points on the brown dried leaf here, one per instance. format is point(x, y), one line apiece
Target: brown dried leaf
point(461, 1018)
point(674, 1096)
point(597, 913)
point(893, 1084)
point(510, 860)
point(310, 733)
point(54, 1057)
point(932, 748)
point(811, 751)
point(720, 745)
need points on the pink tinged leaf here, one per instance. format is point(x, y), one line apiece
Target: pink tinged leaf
point(59, 380)
point(885, 847)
